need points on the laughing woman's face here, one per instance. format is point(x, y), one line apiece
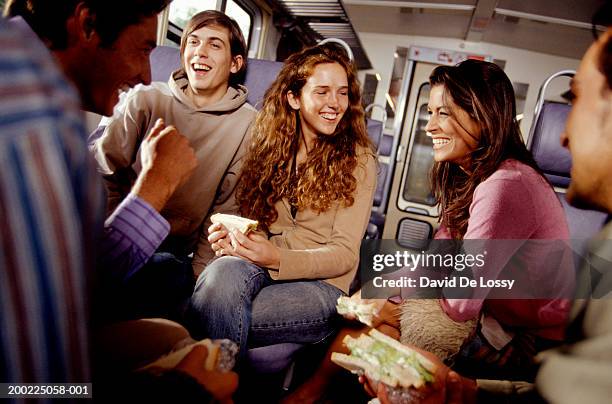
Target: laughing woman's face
point(453, 132)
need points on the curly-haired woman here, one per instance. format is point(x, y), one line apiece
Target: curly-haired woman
point(309, 179)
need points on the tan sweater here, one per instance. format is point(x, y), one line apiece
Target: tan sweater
point(326, 245)
point(217, 133)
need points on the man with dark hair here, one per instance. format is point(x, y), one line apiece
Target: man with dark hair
point(204, 101)
point(114, 52)
point(580, 371)
point(50, 194)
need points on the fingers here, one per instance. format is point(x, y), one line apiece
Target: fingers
point(367, 386)
point(157, 128)
point(390, 331)
point(242, 239)
point(194, 360)
point(382, 394)
point(215, 227)
point(454, 388)
point(216, 232)
point(222, 247)
point(237, 248)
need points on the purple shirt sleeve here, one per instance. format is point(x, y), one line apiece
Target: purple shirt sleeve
point(132, 233)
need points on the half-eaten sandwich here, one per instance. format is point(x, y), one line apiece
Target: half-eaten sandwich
point(364, 312)
point(231, 222)
point(384, 359)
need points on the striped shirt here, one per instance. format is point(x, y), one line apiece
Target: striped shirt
point(51, 207)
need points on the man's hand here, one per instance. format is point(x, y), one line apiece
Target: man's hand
point(221, 385)
point(167, 162)
point(447, 387)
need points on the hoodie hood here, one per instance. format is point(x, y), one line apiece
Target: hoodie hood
point(233, 99)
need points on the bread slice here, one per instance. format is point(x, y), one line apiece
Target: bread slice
point(384, 359)
point(231, 222)
point(360, 367)
point(364, 312)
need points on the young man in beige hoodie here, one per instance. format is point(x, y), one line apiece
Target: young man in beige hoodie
point(204, 101)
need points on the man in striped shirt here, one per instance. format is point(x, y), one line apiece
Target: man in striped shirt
point(51, 204)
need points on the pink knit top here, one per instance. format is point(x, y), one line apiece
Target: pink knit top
point(517, 203)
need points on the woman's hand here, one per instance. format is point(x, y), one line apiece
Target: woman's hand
point(218, 239)
point(389, 313)
point(254, 248)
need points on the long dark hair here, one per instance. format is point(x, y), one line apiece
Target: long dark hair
point(484, 91)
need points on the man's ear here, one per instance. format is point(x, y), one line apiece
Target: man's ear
point(84, 22)
point(294, 101)
point(237, 62)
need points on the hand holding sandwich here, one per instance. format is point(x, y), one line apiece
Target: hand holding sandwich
point(372, 312)
point(254, 248)
point(448, 386)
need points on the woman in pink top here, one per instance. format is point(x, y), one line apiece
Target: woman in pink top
point(489, 188)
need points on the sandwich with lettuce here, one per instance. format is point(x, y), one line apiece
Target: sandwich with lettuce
point(383, 359)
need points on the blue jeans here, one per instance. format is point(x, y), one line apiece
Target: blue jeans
point(238, 300)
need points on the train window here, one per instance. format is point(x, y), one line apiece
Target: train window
point(242, 17)
point(182, 10)
point(246, 13)
point(416, 188)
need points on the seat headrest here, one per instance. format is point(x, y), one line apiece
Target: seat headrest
point(164, 60)
point(375, 130)
point(259, 76)
point(552, 158)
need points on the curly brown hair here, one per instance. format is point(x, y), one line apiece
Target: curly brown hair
point(327, 174)
point(483, 90)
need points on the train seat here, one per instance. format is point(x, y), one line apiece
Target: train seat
point(556, 162)
point(259, 75)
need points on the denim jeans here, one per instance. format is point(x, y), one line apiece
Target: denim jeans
point(238, 300)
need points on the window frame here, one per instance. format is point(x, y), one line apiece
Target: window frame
point(169, 32)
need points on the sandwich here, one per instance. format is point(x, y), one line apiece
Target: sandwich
point(386, 360)
point(221, 356)
point(231, 222)
point(364, 312)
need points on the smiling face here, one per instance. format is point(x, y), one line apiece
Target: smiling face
point(122, 65)
point(588, 133)
point(322, 101)
point(208, 62)
point(454, 133)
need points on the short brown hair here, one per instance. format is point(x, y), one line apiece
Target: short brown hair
point(48, 17)
point(603, 17)
point(237, 42)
